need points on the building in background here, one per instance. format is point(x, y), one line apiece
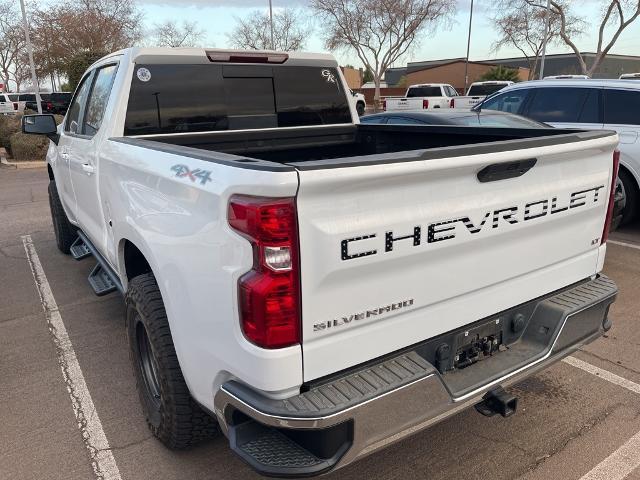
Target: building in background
point(451, 70)
point(566, 64)
point(353, 77)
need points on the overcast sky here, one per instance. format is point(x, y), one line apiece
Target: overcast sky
point(217, 17)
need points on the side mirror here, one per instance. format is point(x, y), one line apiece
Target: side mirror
point(41, 125)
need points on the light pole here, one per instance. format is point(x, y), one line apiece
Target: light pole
point(34, 79)
point(270, 24)
point(547, 29)
point(466, 63)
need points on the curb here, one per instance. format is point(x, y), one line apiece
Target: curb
point(21, 165)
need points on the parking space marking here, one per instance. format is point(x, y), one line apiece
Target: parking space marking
point(624, 244)
point(619, 464)
point(102, 460)
point(604, 374)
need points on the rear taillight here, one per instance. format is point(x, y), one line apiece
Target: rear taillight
point(425, 104)
point(269, 294)
point(384, 105)
point(15, 106)
point(612, 193)
point(49, 106)
point(452, 103)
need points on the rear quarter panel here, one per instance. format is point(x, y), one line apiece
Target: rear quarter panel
point(180, 225)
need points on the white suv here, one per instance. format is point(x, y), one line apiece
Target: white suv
point(581, 103)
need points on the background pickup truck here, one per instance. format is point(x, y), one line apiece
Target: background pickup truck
point(312, 287)
point(477, 92)
point(422, 97)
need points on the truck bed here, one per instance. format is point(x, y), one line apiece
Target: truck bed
point(351, 145)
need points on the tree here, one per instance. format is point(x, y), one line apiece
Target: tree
point(379, 31)
point(65, 36)
point(525, 28)
point(367, 76)
point(616, 16)
point(501, 72)
point(173, 34)
point(12, 45)
point(254, 32)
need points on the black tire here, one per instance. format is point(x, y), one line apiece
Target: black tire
point(630, 211)
point(64, 230)
point(360, 107)
point(172, 415)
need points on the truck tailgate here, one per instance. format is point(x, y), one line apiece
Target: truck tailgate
point(395, 253)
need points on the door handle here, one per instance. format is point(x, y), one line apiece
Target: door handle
point(88, 168)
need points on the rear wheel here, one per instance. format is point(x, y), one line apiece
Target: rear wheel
point(172, 415)
point(64, 230)
point(630, 192)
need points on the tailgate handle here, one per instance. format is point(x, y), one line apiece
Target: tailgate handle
point(502, 171)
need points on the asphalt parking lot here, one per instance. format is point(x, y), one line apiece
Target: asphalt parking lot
point(578, 419)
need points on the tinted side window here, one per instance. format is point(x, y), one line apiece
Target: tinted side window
point(510, 102)
point(621, 107)
point(73, 115)
point(373, 120)
point(404, 121)
point(561, 104)
point(98, 99)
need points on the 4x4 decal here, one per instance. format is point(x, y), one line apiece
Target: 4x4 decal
point(194, 175)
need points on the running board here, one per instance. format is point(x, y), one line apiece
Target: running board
point(103, 279)
point(79, 249)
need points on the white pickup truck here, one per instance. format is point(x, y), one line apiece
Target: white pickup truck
point(477, 92)
point(426, 96)
point(315, 288)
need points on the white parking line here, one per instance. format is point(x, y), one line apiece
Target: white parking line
point(626, 458)
point(604, 374)
point(102, 460)
point(624, 244)
point(619, 464)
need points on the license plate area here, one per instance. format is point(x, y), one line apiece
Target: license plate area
point(475, 344)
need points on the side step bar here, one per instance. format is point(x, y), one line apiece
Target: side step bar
point(103, 279)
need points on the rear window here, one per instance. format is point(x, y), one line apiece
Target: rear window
point(621, 107)
point(27, 97)
point(424, 92)
point(484, 89)
point(198, 98)
point(61, 96)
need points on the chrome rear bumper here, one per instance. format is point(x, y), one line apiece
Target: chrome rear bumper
point(347, 417)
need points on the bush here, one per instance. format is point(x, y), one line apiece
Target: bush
point(28, 147)
point(9, 125)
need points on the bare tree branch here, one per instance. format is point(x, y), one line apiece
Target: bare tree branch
point(173, 34)
point(379, 31)
point(289, 31)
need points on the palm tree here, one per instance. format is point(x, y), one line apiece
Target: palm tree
point(501, 73)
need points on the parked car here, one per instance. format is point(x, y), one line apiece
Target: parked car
point(590, 104)
point(7, 107)
point(630, 76)
point(567, 77)
point(477, 92)
point(21, 99)
point(453, 117)
point(426, 96)
point(315, 287)
point(55, 102)
point(360, 102)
